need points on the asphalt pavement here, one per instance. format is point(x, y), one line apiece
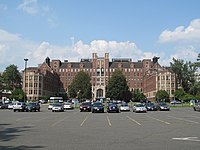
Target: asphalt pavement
point(74, 130)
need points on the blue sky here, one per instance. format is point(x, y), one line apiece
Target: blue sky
point(73, 29)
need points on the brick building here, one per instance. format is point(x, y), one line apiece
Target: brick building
point(41, 81)
point(55, 76)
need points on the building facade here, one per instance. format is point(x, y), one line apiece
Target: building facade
point(40, 81)
point(145, 75)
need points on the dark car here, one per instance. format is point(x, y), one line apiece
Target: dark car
point(2, 106)
point(86, 106)
point(163, 106)
point(33, 106)
point(97, 107)
point(151, 107)
point(113, 108)
point(196, 106)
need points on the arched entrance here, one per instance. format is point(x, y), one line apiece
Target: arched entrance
point(99, 93)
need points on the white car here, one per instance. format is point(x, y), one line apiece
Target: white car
point(124, 107)
point(19, 106)
point(139, 107)
point(10, 106)
point(68, 105)
point(50, 106)
point(57, 107)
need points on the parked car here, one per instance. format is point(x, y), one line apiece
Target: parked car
point(2, 105)
point(10, 106)
point(163, 106)
point(57, 107)
point(113, 107)
point(97, 107)
point(68, 105)
point(50, 106)
point(173, 102)
point(196, 106)
point(33, 106)
point(43, 101)
point(151, 106)
point(19, 106)
point(139, 107)
point(86, 106)
point(124, 107)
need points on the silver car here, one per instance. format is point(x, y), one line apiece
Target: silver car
point(139, 107)
point(57, 107)
point(196, 106)
point(68, 105)
point(124, 107)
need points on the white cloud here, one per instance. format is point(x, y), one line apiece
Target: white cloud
point(32, 7)
point(181, 33)
point(5, 36)
point(13, 50)
point(29, 6)
point(115, 49)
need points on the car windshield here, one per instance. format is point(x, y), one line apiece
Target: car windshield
point(163, 104)
point(139, 105)
point(32, 104)
point(97, 104)
point(67, 103)
point(124, 105)
point(86, 104)
point(113, 105)
point(57, 105)
point(150, 104)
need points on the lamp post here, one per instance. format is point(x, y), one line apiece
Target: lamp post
point(25, 60)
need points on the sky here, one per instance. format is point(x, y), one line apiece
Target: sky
point(74, 29)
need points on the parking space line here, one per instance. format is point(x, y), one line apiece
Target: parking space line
point(22, 118)
point(194, 117)
point(84, 121)
point(41, 119)
point(184, 119)
point(133, 120)
point(109, 123)
point(54, 124)
point(159, 120)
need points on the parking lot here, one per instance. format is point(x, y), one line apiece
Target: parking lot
point(74, 130)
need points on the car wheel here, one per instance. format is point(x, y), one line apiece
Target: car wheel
point(39, 110)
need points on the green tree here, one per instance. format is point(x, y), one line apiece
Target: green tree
point(81, 86)
point(18, 94)
point(117, 87)
point(1, 83)
point(11, 78)
point(162, 95)
point(184, 72)
point(179, 94)
point(138, 95)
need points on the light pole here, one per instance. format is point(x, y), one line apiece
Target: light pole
point(25, 60)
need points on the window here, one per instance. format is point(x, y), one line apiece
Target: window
point(102, 72)
point(98, 72)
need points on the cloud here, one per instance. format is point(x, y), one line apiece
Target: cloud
point(13, 50)
point(29, 6)
point(114, 48)
point(181, 33)
point(32, 7)
point(5, 36)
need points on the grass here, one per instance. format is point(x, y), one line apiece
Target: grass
point(180, 105)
